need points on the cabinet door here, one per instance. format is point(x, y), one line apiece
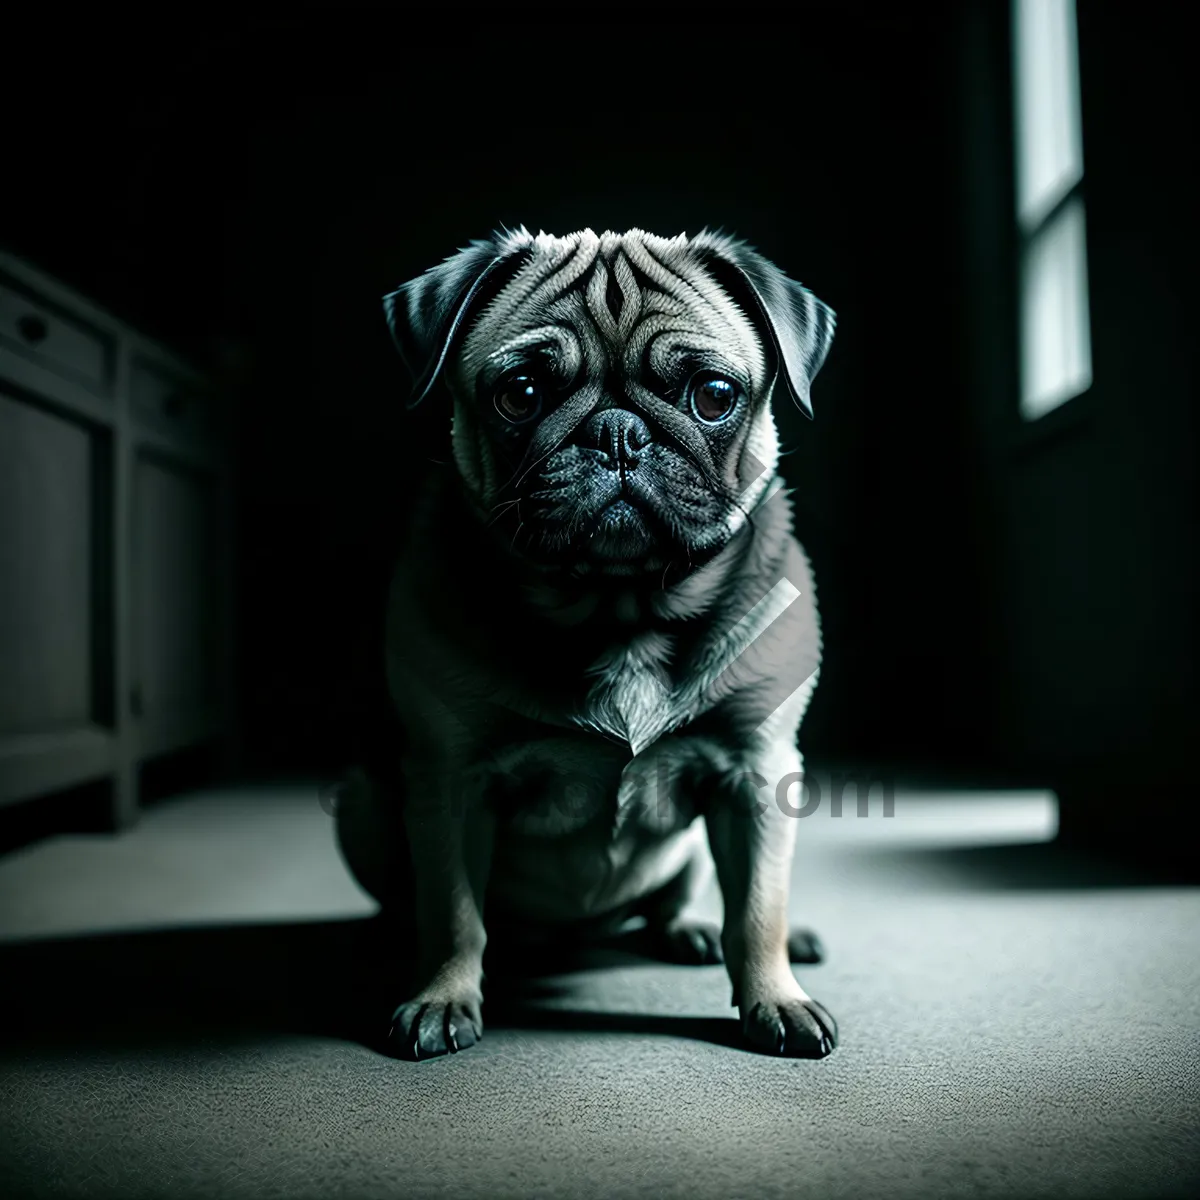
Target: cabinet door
point(174, 601)
point(48, 571)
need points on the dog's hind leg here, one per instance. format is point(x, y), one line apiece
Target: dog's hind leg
point(805, 947)
point(674, 936)
point(677, 938)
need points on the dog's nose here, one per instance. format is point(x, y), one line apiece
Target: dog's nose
point(622, 435)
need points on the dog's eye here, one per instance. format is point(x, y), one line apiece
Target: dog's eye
point(519, 398)
point(713, 398)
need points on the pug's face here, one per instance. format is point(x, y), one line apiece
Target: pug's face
point(612, 394)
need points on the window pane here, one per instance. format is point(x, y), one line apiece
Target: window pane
point(1055, 335)
point(1046, 73)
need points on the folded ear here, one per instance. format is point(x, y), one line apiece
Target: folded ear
point(425, 314)
point(799, 325)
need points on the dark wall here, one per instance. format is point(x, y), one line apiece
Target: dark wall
point(254, 188)
point(1091, 581)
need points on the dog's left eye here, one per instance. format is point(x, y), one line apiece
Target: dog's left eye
point(713, 398)
point(519, 398)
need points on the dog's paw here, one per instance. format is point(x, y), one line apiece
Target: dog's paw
point(792, 1027)
point(691, 943)
point(428, 1028)
point(805, 947)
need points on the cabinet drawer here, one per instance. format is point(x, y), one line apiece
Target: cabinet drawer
point(41, 331)
point(169, 405)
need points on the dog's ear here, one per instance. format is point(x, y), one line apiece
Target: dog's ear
point(799, 325)
point(425, 314)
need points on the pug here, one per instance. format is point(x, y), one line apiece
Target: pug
point(601, 635)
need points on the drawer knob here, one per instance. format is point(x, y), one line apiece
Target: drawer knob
point(32, 328)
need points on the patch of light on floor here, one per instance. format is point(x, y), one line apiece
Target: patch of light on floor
point(949, 818)
point(270, 854)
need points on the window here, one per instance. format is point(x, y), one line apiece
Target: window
point(1056, 354)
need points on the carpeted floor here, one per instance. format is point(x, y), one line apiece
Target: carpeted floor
point(191, 1006)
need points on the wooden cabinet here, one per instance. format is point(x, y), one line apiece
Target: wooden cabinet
point(115, 548)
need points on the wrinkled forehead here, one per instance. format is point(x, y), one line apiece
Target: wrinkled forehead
point(630, 302)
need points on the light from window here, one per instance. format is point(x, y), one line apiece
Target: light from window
point(1049, 144)
point(1055, 338)
point(1056, 344)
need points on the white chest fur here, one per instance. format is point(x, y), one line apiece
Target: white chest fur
point(632, 697)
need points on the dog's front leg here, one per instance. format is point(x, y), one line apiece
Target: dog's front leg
point(752, 842)
point(451, 844)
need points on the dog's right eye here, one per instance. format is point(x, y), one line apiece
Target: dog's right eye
point(519, 399)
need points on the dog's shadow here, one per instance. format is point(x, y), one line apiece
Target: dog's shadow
point(338, 979)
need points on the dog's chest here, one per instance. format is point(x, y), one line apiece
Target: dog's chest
point(586, 829)
point(589, 828)
point(631, 697)
point(558, 786)
point(586, 873)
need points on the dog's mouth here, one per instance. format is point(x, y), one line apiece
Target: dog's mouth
point(621, 534)
point(624, 537)
point(586, 518)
